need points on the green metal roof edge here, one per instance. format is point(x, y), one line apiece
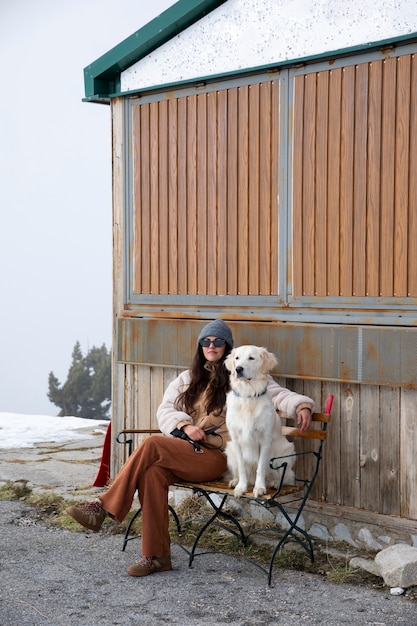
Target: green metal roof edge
point(102, 77)
point(105, 98)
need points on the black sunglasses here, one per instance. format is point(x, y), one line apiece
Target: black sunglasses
point(217, 343)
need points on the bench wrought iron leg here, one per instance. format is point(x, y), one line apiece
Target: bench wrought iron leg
point(176, 518)
point(129, 526)
point(217, 513)
point(132, 521)
point(305, 543)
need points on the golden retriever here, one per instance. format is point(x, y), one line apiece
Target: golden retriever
point(253, 424)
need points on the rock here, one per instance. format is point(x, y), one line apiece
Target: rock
point(396, 591)
point(320, 531)
point(366, 537)
point(398, 565)
point(342, 533)
point(365, 564)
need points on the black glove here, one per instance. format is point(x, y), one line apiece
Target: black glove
point(182, 435)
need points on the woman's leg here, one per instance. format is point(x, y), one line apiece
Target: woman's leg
point(167, 453)
point(157, 463)
point(173, 462)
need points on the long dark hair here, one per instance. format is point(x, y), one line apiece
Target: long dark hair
point(200, 379)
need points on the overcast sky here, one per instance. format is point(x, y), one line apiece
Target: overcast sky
point(55, 186)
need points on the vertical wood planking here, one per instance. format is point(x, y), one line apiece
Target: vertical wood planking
point(412, 198)
point(303, 463)
point(265, 200)
point(309, 192)
point(216, 154)
point(335, 82)
point(154, 197)
point(388, 175)
point(232, 191)
point(408, 453)
point(182, 198)
point(370, 452)
point(332, 472)
point(222, 182)
point(349, 451)
point(254, 208)
point(190, 240)
point(157, 389)
point(137, 199)
point(275, 166)
point(360, 181)
point(321, 184)
point(374, 173)
point(142, 210)
point(354, 156)
point(243, 252)
point(173, 208)
point(311, 389)
point(119, 226)
point(402, 175)
point(212, 235)
point(162, 261)
point(201, 208)
point(205, 193)
point(297, 190)
point(390, 428)
point(346, 180)
point(129, 404)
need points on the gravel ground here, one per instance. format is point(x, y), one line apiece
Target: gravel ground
point(58, 577)
point(62, 578)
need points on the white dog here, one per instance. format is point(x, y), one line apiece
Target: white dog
point(253, 424)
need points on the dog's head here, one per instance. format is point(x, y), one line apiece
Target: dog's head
point(250, 362)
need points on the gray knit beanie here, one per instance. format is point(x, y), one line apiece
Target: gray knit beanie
point(217, 328)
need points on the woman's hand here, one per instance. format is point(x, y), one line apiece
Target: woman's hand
point(304, 419)
point(194, 432)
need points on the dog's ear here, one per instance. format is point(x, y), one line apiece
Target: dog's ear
point(268, 360)
point(229, 362)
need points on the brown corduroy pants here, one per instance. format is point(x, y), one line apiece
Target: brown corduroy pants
point(157, 463)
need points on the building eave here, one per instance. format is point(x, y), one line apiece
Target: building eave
point(386, 44)
point(102, 77)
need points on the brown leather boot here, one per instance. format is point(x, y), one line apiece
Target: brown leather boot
point(150, 565)
point(91, 515)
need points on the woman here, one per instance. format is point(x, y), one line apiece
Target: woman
point(193, 404)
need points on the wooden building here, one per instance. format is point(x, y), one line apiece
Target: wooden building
point(265, 172)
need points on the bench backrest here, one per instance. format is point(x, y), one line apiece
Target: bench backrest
point(318, 428)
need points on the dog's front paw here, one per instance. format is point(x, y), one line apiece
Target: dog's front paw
point(259, 491)
point(240, 489)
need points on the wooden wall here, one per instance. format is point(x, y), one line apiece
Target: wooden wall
point(354, 183)
point(214, 209)
point(371, 451)
point(205, 193)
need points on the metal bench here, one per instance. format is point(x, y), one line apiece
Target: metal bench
point(289, 500)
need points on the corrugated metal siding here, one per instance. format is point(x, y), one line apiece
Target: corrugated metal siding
point(356, 354)
point(354, 183)
point(205, 216)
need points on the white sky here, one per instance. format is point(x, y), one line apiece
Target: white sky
point(55, 189)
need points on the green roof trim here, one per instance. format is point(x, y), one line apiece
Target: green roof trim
point(102, 77)
point(394, 42)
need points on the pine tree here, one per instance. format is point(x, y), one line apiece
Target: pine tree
point(87, 390)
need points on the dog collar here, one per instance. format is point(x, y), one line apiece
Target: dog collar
point(256, 395)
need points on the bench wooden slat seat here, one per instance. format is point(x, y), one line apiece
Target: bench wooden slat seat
point(289, 500)
point(221, 487)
